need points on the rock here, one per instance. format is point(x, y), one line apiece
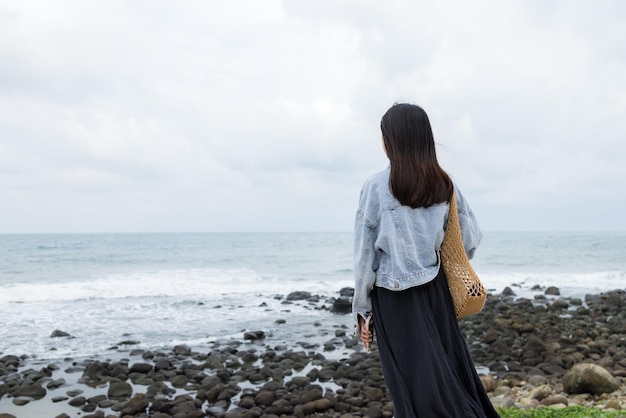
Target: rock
point(374, 394)
point(140, 368)
point(342, 305)
point(612, 299)
point(94, 372)
point(589, 378)
point(139, 403)
point(537, 380)
point(253, 335)
point(182, 350)
point(559, 303)
point(552, 290)
point(97, 414)
point(318, 405)
point(161, 405)
point(78, 401)
point(265, 398)
point(128, 342)
point(540, 392)
point(119, 390)
point(107, 404)
point(613, 404)
point(4, 389)
point(97, 399)
point(30, 391)
point(184, 406)
point(313, 394)
point(502, 391)
point(216, 411)
point(179, 381)
point(280, 407)
point(299, 295)
point(88, 407)
point(526, 403)
point(58, 333)
point(555, 400)
point(489, 382)
point(374, 412)
point(55, 384)
point(55, 399)
point(323, 404)
point(162, 364)
point(508, 291)
point(314, 298)
point(246, 402)
point(534, 344)
point(8, 364)
point(490, 336)
point(347, 292)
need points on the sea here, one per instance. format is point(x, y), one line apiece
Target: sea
point(156, 291)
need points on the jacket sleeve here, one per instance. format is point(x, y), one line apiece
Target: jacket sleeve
point(364, 273)
point(470, 231)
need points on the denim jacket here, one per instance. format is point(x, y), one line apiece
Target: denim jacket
point(396, 246)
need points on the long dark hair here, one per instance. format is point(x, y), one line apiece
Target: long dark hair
point(416, 178)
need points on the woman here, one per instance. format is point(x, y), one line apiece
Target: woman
point(399, 285)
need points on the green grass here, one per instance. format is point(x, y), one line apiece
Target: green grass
point(570, 412)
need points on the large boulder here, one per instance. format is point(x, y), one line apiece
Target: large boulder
point(589, 378)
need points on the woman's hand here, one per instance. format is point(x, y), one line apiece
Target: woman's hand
point(366, 334)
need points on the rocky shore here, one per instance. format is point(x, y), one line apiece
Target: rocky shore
point(548, 351)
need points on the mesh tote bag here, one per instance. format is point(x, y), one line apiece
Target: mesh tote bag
point(468, 293)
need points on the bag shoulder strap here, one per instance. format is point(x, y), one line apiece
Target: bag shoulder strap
point(453, 217)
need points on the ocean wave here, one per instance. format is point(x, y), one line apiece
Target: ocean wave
point(193, 283)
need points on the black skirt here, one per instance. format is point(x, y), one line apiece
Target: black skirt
point(426, 362)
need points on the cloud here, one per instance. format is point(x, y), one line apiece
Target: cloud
point(247, 115)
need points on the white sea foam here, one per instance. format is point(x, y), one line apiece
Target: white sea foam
point(159, 308)
point(197, 283)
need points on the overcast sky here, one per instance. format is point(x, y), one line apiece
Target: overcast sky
point(167, 116)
